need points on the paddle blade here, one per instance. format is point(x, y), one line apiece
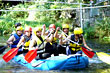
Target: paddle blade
point(30, 55)
point(90, 54)
point(103, 57)
point(10, 54)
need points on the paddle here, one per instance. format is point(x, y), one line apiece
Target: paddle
point(101, 55)
point(90, 54)
point(10, 54)
point(2, 48)
point(33, 53)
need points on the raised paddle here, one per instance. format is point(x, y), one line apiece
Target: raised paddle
point(33, 53)
point(10, 54)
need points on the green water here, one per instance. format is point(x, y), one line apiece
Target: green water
point(95, 65)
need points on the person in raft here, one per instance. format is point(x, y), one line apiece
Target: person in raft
point(53, 44)
point(78, 40)
point(16, 25)
point(65, 33)
point(25, 40)
point(39, 42)
point(15, 38)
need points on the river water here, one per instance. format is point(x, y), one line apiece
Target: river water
point(95, 65)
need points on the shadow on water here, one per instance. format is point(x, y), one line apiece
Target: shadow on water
point(95, 65)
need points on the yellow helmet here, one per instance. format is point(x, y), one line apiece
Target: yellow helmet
point(78, 31)
point(65, 26)
point(37, 29)
point(19, 28)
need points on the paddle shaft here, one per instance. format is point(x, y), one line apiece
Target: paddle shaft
point(2, 49)
point(68, 39)
point(45, 39)
point(33, 53)
point(102, 56)
point(90, 54)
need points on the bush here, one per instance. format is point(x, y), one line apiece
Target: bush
point(90, 33)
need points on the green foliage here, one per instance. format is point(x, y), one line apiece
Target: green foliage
point(17, 14)
point(4, 5)
point(4, 26)
point(103, 27)
point(37, 18)
point(90, 32)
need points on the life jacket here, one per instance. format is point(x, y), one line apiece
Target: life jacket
point(54, 40)
point(27, 42)
point(74, 46)
point(14, 45)
point(39, 42)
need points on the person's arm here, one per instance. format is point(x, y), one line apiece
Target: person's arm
point(21, 42)
point(31, 45)
point(44, 30)
point(49, 39)
point(50, 36)
point(84, 42)
point(56, 35)
point(10, 40)
point(61, 41)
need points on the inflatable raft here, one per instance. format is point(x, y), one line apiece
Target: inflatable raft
point(55, 63)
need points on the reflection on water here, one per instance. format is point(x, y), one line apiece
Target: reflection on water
point(95, 65)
